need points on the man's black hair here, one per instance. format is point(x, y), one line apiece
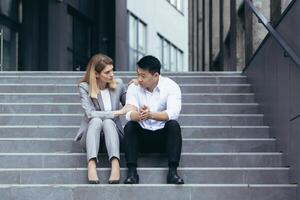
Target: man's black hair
point(149, 63)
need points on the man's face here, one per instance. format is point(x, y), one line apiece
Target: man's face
point(145, 78)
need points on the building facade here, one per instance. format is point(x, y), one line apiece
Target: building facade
point(223, 34)
point(161, 27)
point(60, 35)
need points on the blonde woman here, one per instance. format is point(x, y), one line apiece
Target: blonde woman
point(101, 95)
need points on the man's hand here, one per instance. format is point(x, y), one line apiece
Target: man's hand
point(144, 113)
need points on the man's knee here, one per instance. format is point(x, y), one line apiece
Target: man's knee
point(131, 125)
point(172, 124)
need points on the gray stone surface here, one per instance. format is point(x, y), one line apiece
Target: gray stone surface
point(50, 145)
point(184, 119)
point(187, 131)
point(72, 88)
point(74, 97)
point(158, 192)
point(74, 160)
point(75, 108)
point(148, 176)
point(126, 79)
point(226, 147)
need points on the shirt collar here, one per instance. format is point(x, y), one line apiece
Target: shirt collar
point(159, 84)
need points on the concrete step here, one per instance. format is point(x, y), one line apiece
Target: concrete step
point(187, 131)
point(52, 145)
point(74, 97)
point(72, 88)
point(184, 119)
point(150, 192)
point(78, 160)
point(147, 175)
point(117, 73)
point(27, 79)
point(187, 108)
point(227, 152)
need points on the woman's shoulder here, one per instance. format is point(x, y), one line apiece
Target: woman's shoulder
point(84, 85)
point(119, 81)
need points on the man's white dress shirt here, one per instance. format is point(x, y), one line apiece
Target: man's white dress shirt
point(166, 97)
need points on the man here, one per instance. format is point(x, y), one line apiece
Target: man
point(152, 125)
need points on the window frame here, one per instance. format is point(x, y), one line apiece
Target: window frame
point(136, 50)
point(177, 52)
point(175, 5)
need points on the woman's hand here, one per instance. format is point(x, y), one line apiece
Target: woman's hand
point(118, 113)
point(124, 110)
point(134, 81)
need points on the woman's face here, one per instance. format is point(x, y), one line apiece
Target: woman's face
point(106, 75)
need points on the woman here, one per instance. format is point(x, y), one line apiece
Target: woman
point(101, 95)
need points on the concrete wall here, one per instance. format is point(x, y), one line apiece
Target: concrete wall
point(161, 17)
point(276, 83)
point(258, 33)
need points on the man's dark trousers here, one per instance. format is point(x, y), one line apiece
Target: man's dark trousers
point(166, 140)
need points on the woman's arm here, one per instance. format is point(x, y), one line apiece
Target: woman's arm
point(124, 110)
point(89, 107)
point(123, 92)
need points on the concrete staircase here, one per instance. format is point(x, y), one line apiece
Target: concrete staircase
point(227, 152)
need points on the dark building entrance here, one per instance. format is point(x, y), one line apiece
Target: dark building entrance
point(9, 34)
point(55, 35)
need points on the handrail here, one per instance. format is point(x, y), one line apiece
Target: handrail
point(1, 49)
point(274, 33)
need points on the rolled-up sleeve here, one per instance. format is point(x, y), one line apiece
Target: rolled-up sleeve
point(89, 107)
point(174, 102)
point(131, 99)
point(131, 96)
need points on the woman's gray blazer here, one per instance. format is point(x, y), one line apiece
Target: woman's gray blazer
point(95, 108)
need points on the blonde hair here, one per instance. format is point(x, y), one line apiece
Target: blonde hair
point(96, 64)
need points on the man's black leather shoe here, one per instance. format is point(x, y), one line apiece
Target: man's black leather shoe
point(132, 178)
point(173, 178)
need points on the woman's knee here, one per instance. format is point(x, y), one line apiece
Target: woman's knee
point(109, 123)
point(96, 121)
point(95, 125)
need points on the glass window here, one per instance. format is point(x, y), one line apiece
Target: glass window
point(170, 56)
point(173, 59)
point(142, 38)
point(10, 8)
point(173, 2)
point(10, 49)
point(160, 47)
point(132, 59)
point(166, 58)
point(137, 40)
point(132, 32)
point(180, 5)
point(180, 60)
point(79, 41)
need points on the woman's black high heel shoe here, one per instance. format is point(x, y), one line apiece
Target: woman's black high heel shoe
point(113, 181)
point(94, 182)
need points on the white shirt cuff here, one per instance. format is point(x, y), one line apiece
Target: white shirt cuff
point(172, 115)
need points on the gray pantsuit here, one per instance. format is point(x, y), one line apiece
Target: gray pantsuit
point(96, 122)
